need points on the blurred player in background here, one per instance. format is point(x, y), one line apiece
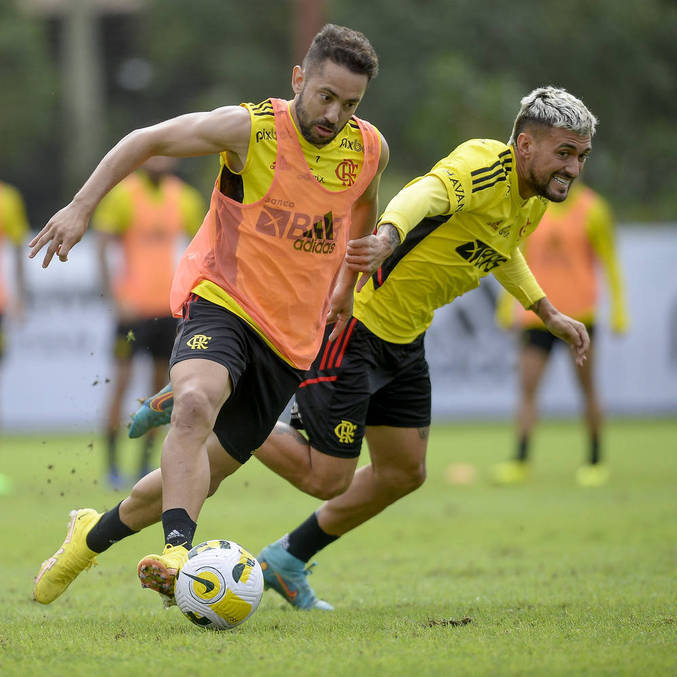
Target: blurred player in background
point(297, 190)
point(13, 229)
point(574, 239)
point(440, 235)
point(143, 223)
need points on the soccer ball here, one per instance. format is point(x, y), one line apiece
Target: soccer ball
point(219, 586)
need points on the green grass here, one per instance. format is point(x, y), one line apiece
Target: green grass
point(556, 580)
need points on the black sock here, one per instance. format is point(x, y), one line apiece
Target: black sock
point(108, 530)
point(523, 448)
point(307, 539)
point(179, 528)
point(112, 445)
point(594, 449)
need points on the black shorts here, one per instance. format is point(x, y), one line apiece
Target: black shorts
point(359, 380)
point(262, 382)
point(153, 336)
point(544, 340)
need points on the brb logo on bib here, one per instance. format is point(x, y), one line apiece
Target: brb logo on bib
point(311, 234)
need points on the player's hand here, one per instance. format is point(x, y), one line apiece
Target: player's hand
point(573, 332)
point(366, 254)
point(341, 310)
point(64, 230)
point(564, 327)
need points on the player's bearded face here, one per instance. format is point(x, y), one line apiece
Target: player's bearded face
point(552, 186)
point(559, 156)
point(327, 96)
point(319, 131)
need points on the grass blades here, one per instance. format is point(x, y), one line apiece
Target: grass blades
point(541, 579)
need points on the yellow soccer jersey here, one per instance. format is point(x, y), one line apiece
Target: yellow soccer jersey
point(335, 165)
point(445, 255)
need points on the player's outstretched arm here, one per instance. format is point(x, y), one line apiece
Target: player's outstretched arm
point(189, 135)
point(564, 327)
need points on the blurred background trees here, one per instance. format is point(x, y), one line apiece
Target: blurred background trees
point(450, 70)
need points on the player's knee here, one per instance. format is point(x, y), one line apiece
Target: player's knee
point(328, 480)
point(326, 487)
point(192, 407)
point(415, 477)
point(404, 479)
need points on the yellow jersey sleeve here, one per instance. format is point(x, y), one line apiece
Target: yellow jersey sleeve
point(423, 197)
point(516, 278)
point(13, 221)
point(600, 231)
point(115, 211)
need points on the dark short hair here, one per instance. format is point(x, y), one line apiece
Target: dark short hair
point(344, 47)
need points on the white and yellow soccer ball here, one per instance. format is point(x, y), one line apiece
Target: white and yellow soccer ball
point(220, 585)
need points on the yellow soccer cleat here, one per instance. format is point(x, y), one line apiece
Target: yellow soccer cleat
point(159, 572)
point(594, 475)
point(510, 472)
point(61, 569)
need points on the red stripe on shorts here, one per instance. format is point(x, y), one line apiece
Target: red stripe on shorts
point(337, 342)
point(319, 379)
point(351, 326)
point(324, 356)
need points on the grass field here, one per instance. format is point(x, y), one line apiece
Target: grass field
point(556, 580)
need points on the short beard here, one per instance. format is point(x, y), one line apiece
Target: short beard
point(543, 190)
point(305, 128)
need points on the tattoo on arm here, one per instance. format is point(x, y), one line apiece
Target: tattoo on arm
point(393, 236)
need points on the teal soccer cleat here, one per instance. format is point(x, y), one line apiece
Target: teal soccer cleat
point(154, 412)
point(288, 575)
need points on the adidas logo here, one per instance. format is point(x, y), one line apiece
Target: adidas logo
point(319, 239)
